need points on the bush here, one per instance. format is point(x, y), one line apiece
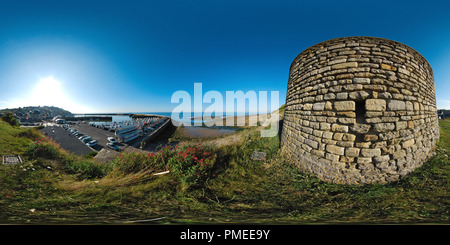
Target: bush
point(192, 162)
point(133, 162)
point(43, 147)
point(86, 169)
point(10, 118)
point(30, 134)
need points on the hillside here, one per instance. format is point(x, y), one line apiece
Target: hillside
point(36, 113)
point(208, 182)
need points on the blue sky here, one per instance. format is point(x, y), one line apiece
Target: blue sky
point(131, 56)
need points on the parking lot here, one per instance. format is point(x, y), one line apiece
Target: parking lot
point(97, 134)
point(66, 140)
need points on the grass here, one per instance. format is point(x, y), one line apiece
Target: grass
point(236, 189)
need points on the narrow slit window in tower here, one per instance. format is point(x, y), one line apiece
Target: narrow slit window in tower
point(360, 110)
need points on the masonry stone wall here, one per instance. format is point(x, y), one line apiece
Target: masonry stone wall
point(360, 110)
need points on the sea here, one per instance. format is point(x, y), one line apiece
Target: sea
point(195, 117)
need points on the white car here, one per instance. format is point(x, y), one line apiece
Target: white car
point(112, 146)
point(92, 143)
point(112, 140)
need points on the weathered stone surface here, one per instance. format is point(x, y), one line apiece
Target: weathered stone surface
point(383, 127)
point(358, 95)
point(360, 110)
point(360, 80)
point(319, 106)
point(335, 149)
point(352, 152)
point(344, 65)
point(360, 128)
point(344, 105)
point(339, 128)
point(396, 105)
point(408, 143)
point(371, 152)
point(375, 105)
point(370, 137)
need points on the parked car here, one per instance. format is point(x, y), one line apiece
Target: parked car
point(112, 140)
point(112, 146)
point(92, 143)
point(83, 137)
point(86, 140)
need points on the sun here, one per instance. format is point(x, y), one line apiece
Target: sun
point(49, 92)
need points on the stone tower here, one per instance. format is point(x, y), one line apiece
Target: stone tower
point(360, 110)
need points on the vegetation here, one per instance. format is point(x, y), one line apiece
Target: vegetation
point(9, 118)
point(206, 183)
point(53, 109)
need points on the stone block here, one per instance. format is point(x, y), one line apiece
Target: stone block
point(352, 152)
point(329, 96)
point(339, 128)
point(342, 96)
point(319, 106)
point(359, 95)
point(408, 143)
point(312, 143)
point(396, 105)
point(370, 137)
point(332, 157)
point(360, 80)
point(344, 105)
point(383, 158)
point(383, 127)
point(325, 126)
point(401, 125)
point(346, 120)
point(371, 152)
point(388, 67)
point(344, 65)
point(375, 105)
point(334, 149)
point(338, 136)
point(363, 160)
point(327, 135)
point(349, 137)
point(360, 128)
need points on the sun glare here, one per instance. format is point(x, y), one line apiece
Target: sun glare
point(49, 92)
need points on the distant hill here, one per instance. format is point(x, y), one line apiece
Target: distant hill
point(442, 113)
point(36, 113)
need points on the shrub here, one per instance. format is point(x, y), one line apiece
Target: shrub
point(43, 147)
point(86, 169)
point(10, 118)
point(133, 162)
point(192, 162)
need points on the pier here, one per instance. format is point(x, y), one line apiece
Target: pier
point(89, 118)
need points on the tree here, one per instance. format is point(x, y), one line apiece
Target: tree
point(10, 118)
